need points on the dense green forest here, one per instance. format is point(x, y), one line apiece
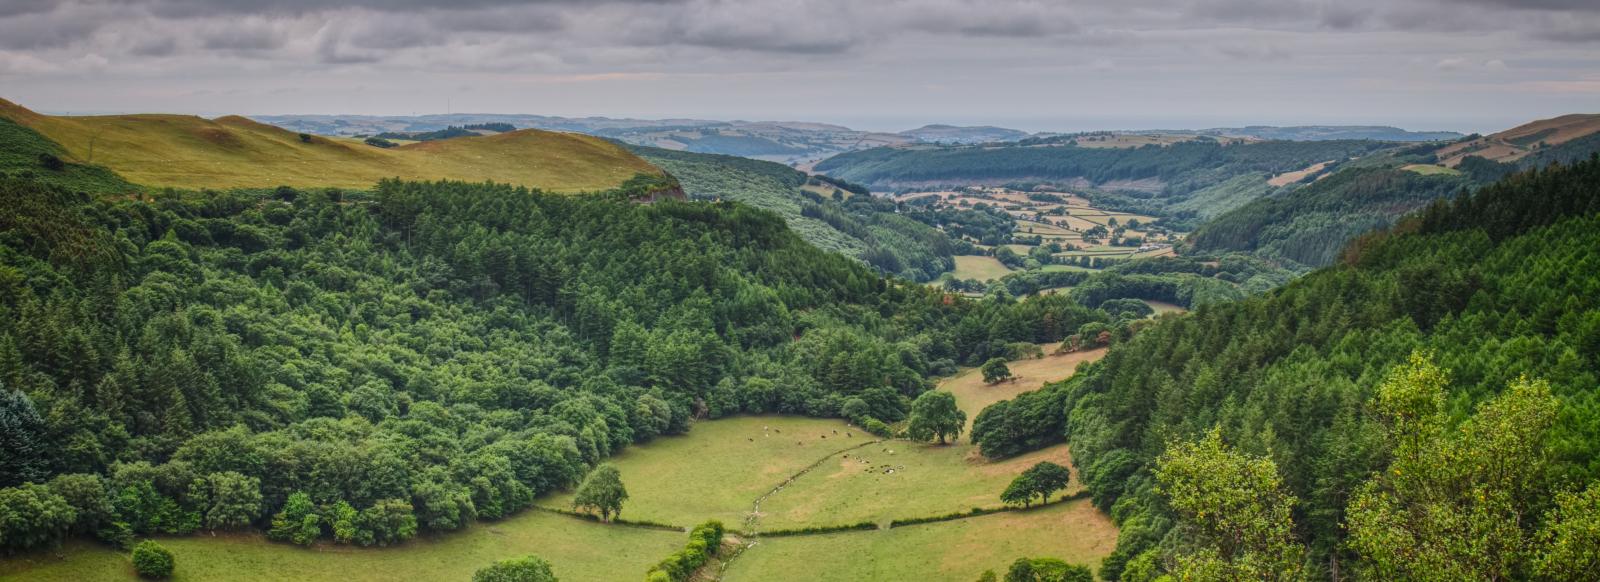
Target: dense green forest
point(1448, 366)
point(859, 226)
point(1309, 226)
point(449, 132)
point(362, 366)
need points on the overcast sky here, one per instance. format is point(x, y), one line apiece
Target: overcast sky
point(1470, 65)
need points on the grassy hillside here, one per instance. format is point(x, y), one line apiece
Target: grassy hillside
point(1518, 142)
point(579, 551)
point(190, 152)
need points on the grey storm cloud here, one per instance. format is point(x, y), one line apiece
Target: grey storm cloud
point(788, 55)
point(1574, 5)
point(774, 26)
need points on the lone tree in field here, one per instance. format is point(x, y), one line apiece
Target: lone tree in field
point(995, 370)
point(152, 561)
point(526, 569)
point(935, 414)
point(1040, 481)
point(602, 491)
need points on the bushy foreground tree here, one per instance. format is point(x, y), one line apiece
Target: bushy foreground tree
point(1453, 502)
point(1235, 509)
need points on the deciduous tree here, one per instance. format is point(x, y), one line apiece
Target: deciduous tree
point(995, 371)
point(935, 414)
point(602, 491)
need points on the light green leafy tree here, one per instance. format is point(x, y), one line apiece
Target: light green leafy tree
point(1453, 502)
point(151, 560)
point(231, 500)
point(1235, 506)
point(297, 522)
point(1570, 541)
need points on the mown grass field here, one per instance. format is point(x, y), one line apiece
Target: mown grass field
point(956, 551)
point(719, 469)
point(1163, 307)
point(191, 152)
point(900, 479)
point(1431, 170)
point(979, 267)
point(973, 395)
point(578, 551)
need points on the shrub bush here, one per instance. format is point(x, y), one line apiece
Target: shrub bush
point(877, 427)
point(526, 569)
point(704, 542)
point(151, 560)
point(822, 529)
point(52, 163)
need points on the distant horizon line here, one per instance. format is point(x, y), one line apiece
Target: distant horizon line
point(852, 125)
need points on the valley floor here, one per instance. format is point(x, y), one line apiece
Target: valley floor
point(805, 472)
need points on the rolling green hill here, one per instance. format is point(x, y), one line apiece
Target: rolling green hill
point(190, 152)
point(1308, 225)
point(824, 214)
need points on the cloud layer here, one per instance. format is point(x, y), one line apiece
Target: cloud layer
point(848, 60)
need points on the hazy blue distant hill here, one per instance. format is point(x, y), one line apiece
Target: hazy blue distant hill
point(789, 142)
point(1332, 132)
point(968, 134)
